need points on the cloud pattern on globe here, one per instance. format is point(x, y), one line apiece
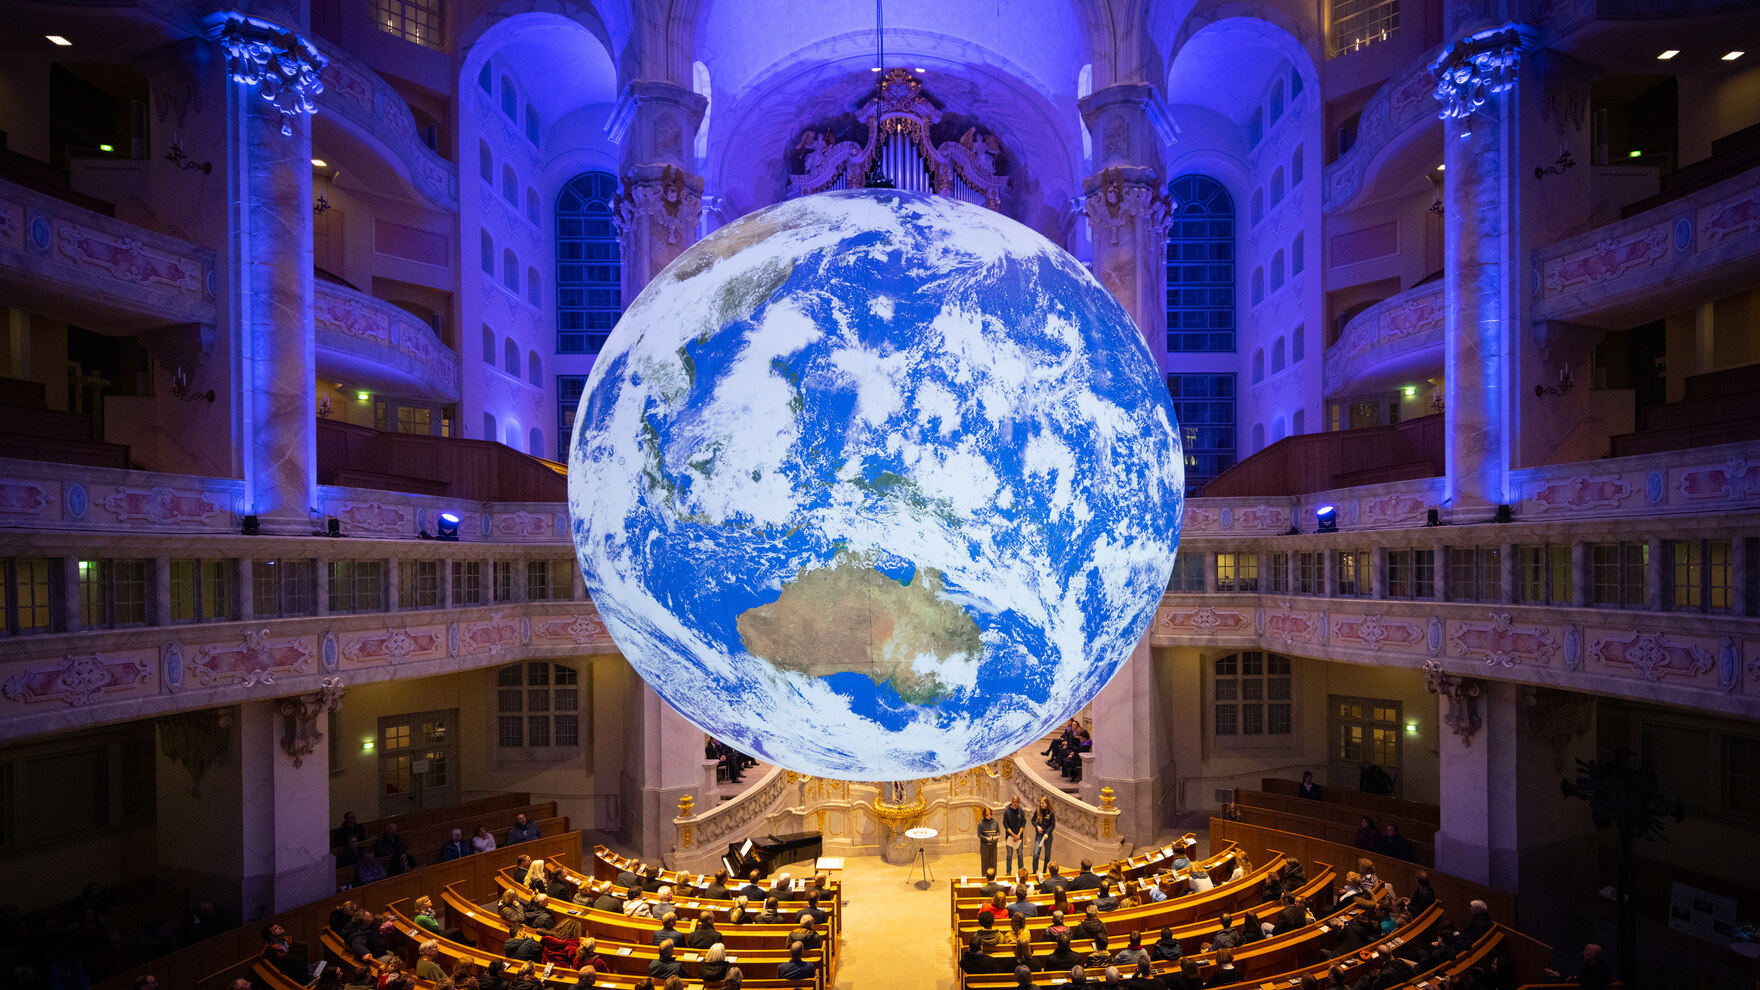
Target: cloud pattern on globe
point(876, 485)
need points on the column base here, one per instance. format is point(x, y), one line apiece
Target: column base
point(659, 807)
point(1135, 800)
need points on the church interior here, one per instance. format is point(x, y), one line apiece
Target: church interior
point(301, 299)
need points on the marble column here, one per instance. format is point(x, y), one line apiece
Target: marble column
point(1477, 840)
point(1124, 746)
point(272, 76)
point(660, 201)
point(1126, 202)
point(1481, 274)
point(671, 767)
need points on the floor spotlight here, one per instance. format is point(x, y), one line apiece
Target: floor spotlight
point(251, 525)
point(447, 528)
point(333, 527)
point(1433, 517)
point(1505, 513)
point(1326, 519)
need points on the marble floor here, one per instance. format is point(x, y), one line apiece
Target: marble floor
point(880, 949)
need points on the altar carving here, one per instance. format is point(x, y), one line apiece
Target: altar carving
point(910, 138)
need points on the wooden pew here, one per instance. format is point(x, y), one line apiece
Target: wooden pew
point(485, 806)
point(686, 888)
point(628, 958)
point(1224, 864)
point(1133, 868)
point(1239, 894)
point(607, 865)
point(1330, 821)
point(424, 841)
point(1376, 806)
point(345, 875)
point(620, 928)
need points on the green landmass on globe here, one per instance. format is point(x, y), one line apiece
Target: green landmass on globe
point(850, 618)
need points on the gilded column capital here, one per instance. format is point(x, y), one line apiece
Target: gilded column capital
point(300, 736)
point(283, 66)
point(1463, 699)
point(1117, 196)
point(665, 195)
point(1479, 66)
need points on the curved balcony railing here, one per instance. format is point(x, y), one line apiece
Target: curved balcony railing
point(356, 94)
point(1393, 329)
point(363, 339)
point(1403, 104)
point(108, 264)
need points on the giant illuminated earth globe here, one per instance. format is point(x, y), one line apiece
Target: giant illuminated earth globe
point(876, 485)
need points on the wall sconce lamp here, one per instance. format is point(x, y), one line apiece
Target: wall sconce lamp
point(175, 156)
point(1566, 382)
point(324, 405)
point(1564, 164)
point(180, 389)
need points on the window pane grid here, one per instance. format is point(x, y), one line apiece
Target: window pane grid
point(589, 297)
point(412, 20)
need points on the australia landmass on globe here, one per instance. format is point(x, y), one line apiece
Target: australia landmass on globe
point(851, 618)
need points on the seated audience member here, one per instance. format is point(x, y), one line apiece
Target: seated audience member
point(372, 937)
point(288, 957)
point(973, 960)
point(349, 828)
point(665, 965)
point(740, 914)
point(753, 891)
point(1023, 956)
point(1448, 946)
point(1022, 906)
point(1015, 934)
point(1252, 929)
point(1098, 957)
point(1053, 881)
point(805, 934)
point(651, 882)
point(1078, 976)
point(997, 908)
point(795, 967)
point(428, 962)
point(523, 830)
point(1593, 972)
point(991, 884)
point(1307, 788)
point(1198, 879)
point(1057, 929)
point(1023, 977)
point(370, 870)
point(1227, 937)
point(1132, 954)
point(483, 840)
point(1366, 833)
point(538, 912)
point(392, 976)
point(1392, 843)
point(1092, 926)
point(429, 919)
point(511, 909)
point(1061, 957)
point(522, 944)
point(1107, 900)
point(1225, 973)
point(772, 913)
point(782, 887)
point(1389, 970)
point(343, 915)
point(668, 931)
point(1167, 948)
point(588, 955)
point(1087, 879)
point(717, 889)
point(1422, 894)
point(456, 847)
point(606, 901)
point(735, 979)
point(1291, 917)
point(390, 843)
point(1360, 933)
point(1186, 978)
point(714, 965)
point(636, 904)
point(820, 915)
point(1144, 978)
point(704, 935)
point(560, 946)
point(1131, 896)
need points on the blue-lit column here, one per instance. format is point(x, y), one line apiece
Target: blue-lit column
point(1475, 82)
point(272, 77)
point(1128, 212)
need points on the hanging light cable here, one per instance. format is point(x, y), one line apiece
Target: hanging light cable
point(876, 175)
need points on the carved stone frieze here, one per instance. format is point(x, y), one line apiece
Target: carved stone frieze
point(285, 68)
point(198, 740)
point(1477, 68)
point(301, 737)
point(1122, 195)
point(665, 196)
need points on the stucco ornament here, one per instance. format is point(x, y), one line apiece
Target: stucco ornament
point(1477, 68)
point(283, 66)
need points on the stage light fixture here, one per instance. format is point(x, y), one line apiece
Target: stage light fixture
point(333, 527)
point(1326, 519)
point(447, 528)
point(1433, 517)
point(250, 525)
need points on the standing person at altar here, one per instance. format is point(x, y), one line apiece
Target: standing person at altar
point(989, 831)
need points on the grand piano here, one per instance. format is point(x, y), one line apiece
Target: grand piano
point(769, 853)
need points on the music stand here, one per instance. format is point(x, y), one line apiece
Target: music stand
point(921, 859)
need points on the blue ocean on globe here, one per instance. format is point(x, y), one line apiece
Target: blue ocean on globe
point(876, 485)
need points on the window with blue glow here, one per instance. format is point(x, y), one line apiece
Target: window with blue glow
point(1204, 406)
point(569, 389)
point(1200, 267)
point(589, 275)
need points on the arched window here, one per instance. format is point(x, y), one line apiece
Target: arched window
point(1258, 286)
point(488, 346)
point(1258, 211)
point(485, 161)
point(1258, 437)
point(538, 705)
point(1251, 692)
point(1200, 266)
point(531, 124)
point(509, 185)
point(1277, 355)
point(489, 426)
point(532, 293)
point(700, 86)
point(1295, 83)
point(532, 205)
point(1298, 423)
point(534, 369)
point(509, 99)
point(1256, 127)
point(1296, 347)
point(1258, 365)
point(510, 357)
point(1295, 167)
point(488, 246)
point(1276, 100)
point(1277, 429)
point(589, 276)
point(510, 269)
point(1295, 255)
point(1277, 186)
point(483, 80)
point(1277, 271)
point(535, 442)
point(512, 438)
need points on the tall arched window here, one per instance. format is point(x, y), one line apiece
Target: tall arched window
point(534, 369)
point(483, 80)
point(1295, 167)
point(535, 442)
point(489, 426)
point(1258, 437)
point(1298, 423)
point(485, 161)
point(1200, 266)
point(1255, 127)
point(700, 85)
point(509, 184)
point(1295, 255)
point(538, 705)
point(1276, 100)
point(1277, 355)
point(1258, 211)
point(1277, 186)
point(531, 124)
point(509, 99)
point(512, 438)
point(488, 346)
point(1277, 429)
point(1258, 286)
point(532, 293)
point(1258, 365)
point(589, 276)
point(510, 357)
point(510, 269)
point(1277, 271)
point(532, 205)
point(488, 249)
point(1296, 347)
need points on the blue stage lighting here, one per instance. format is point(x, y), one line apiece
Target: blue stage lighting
point(1326, 518)
point(448, 527)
